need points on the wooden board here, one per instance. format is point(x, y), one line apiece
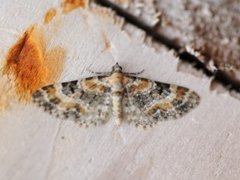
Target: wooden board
point(204, 144)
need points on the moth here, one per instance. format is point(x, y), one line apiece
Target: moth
point(93, 100)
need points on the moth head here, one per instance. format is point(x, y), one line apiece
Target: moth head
point(116, 68)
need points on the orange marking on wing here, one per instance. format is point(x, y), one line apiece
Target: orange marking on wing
point(125, 80)
point(180, 92)
point(143, 85)
point(72, 105)
point(51, 91)
point(92, 85)
point(165, 106)
point(49, 15)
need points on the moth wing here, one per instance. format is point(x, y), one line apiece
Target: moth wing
point(147, 102)
point(85, 101)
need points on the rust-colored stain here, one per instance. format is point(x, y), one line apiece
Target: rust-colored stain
point(29, 65)
point(49, 15)
point(69, 5)
point(54, 60)
point(25, 62)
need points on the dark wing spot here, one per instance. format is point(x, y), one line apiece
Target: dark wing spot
point(163, 89)
point(69, 88)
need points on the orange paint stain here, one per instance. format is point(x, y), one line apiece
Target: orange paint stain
point(54, 60)
point(26, 63)
point(27, 66)
point(49, 15)
point(69, 5)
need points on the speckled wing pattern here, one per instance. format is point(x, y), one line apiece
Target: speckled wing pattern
point(148, 102)
point(89, 101)
point(86, 101)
